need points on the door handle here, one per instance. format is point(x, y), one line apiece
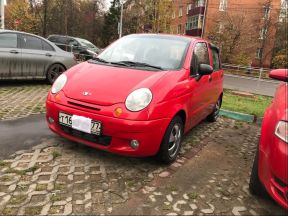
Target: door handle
point(210, 79)
point(14, 52)
point(48, 54)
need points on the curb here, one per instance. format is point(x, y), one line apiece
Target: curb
point(241, 116)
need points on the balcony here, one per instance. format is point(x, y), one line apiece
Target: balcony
point(196, 11)
point(194, 32)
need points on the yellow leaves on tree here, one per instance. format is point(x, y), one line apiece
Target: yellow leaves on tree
point(19, 17)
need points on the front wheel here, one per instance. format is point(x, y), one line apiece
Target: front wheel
point(255, 185)
point(54, 72)
point(215, 114)
point(171, 143)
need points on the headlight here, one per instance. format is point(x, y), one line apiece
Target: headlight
point(139, 99)
point(281, 131)
point(59, 84)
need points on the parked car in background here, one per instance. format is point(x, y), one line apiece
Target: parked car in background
point(83, 49)
point(270, 168)
point(29, 56)
point(139, 96)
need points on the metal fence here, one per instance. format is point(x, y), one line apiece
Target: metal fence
point(255, 72)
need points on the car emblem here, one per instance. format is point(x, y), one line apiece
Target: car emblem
point(86, 93)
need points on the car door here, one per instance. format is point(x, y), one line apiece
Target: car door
point(216, 84)
point(10, 55)
point(37, 56)
point(198, 85)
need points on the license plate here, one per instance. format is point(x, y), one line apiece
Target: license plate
point(80, 123)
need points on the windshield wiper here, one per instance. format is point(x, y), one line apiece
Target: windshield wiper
point(101, 60)
point(137, 64)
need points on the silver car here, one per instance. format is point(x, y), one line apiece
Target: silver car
point(28, 56)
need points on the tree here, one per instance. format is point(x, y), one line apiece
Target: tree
point(111, 20)
point(231, 33)
point(280, 55)
point(19, 17)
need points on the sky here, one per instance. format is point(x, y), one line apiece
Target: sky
point(107, 3)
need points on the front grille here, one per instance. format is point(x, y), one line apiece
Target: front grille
point(280, 182)
point(83, 106)
point(101, 140)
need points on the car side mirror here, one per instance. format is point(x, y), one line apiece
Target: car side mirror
point(279, 74)
point(205, 69)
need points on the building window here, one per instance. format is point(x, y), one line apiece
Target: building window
point(266, 11)
point(284, 11)
point(194, 22)
point(179, 29)
point(189, 7)
point(221, 28)
point(263, 33)
point(173, 15)
point(259, 53)
point(180, 11)
point(223, 5)
point(200, 3)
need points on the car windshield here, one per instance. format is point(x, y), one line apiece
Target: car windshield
point(163, 52)
point(86, 43)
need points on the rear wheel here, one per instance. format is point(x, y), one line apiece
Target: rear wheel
point(54, 72)
point(215, 114)
point(171, 143)
point(255, 185)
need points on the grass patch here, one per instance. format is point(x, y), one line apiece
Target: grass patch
point(59, 186)
point(193, 195)
point(41, 187)
point(18, 199)
point(6, 178)
point(3, 163)
point(253, 106)
point(7, 211)
point(33, 210)
point(56, 154)
point(55, 198)
point(22, 172)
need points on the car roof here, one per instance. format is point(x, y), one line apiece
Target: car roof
point(42, 38)
point(161, 35)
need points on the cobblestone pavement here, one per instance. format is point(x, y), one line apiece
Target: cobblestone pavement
point(22, 100)
point(59, 177)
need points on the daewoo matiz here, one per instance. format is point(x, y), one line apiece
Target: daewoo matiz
point(270, 168)
point(139, 96)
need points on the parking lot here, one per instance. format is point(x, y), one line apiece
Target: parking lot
point(57, 176)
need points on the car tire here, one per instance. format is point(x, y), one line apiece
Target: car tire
point(54, 72)
point(171, 142)
point(215, 114)
point(255, 185)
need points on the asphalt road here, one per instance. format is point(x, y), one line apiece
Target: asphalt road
point(22, 134)
point(252, 85)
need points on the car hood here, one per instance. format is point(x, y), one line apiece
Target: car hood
point(106, 85)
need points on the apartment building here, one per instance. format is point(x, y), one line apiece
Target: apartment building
point(258, 19)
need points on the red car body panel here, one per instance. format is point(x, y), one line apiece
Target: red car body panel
point(273, 152)
point(173, 92)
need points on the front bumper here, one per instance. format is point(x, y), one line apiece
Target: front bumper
point(273, 171)
point(116, 134)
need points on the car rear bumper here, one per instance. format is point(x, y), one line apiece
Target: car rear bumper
point(274, 173)
point(116, 135)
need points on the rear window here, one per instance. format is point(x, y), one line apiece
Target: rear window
point(47, 46)
point(8, 40)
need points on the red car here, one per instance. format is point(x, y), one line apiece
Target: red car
point(270, 168)
point(139, 96)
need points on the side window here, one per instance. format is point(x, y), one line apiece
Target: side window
point(8, 40)
point(200, 56)
point(30, 42)
point(47, 46)
point(216, 60)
